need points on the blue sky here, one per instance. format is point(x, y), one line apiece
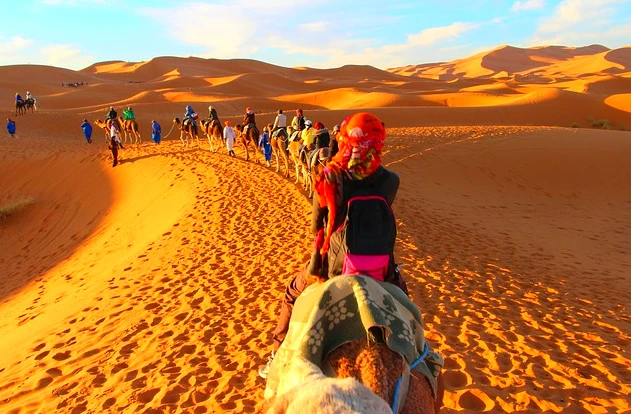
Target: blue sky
point(316, 33)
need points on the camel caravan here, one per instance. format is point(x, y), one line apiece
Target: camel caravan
point(26, 105)
point(349, 338)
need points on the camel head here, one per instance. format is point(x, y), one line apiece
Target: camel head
point(307, 389)
point(176, 120)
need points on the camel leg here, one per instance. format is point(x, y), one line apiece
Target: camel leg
point(297, 164)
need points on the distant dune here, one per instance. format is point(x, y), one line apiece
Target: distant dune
point(535, 78)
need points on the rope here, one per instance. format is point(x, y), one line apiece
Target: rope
point(413, 365)
point(172, 126)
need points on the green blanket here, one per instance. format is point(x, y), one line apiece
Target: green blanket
point(343, 309)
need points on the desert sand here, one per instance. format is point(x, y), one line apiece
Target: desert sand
point(154, 286)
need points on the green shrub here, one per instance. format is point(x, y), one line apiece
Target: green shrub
point(575, 125)
point(603, 123)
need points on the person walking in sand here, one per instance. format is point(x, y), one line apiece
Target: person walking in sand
point(11, 127)
point(229, 137)
point(115, 143)
point(156, 132)
point(87, 131)
point(354, 173)
point(266, 146)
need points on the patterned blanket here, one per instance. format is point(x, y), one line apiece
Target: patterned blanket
point(341, 310)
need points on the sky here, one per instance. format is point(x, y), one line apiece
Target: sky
point(74, 34)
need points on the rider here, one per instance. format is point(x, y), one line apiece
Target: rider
point(280, 123)
point(128, 114)
point(29, 96)
point(212, 114)
point(188, 116)
point(321, 135)
point(307, 137)
point(355, 169)
point(248, 120)
point(298, 123)
point(111, 114)
point(18, 98)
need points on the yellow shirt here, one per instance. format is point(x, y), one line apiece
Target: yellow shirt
point(307, 136)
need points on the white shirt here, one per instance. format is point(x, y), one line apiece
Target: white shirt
point(229, 134)
point(113, 131)
point(280, 121)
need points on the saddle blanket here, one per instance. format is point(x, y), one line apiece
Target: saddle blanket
point(343, 309)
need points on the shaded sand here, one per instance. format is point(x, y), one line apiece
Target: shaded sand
point(512, 240)
point(154, 286)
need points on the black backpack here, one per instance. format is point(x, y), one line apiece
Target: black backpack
point(369, 233)
point(301, 123)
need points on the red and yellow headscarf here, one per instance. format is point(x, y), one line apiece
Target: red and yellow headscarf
point(360, 140)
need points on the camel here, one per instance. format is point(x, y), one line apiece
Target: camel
point(106, 126)
point(20, 108)
point(189, 129)
point(214, 132)
point(279, 148)
point(252, 137)
point(316, 160)
point(130, 127)
point(294, 155)
point(29, 105)
point(331, 317)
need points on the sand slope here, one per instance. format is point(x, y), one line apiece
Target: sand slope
point(154, 286)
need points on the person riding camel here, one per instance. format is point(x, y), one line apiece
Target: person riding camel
point(280, 123)
point(29, 97)
point(321, 135)
point(249, 120)
point(212, 115)
point(307, 137)
point(128, 114)
point(354, 175)
point(189, 116)
point(111, 117)
point(18, 98)
point(297, 125)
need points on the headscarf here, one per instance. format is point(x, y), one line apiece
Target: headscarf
point(361, 139)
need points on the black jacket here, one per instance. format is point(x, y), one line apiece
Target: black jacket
point(322, 138)
point(382, 182)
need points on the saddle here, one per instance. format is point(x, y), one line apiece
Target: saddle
point(294, 136)
point(318, 155)
point(280, 133)
point(348, 308)
point(247, 128)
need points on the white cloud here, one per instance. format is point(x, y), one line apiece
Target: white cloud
point(13, 45)
point(243, 28)
point(527, 5)
point(19, 49)
point(65, 56)
point(580, 22)
point(315, 26)
point(434, 35)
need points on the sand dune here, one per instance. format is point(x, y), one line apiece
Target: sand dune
point(154, 286)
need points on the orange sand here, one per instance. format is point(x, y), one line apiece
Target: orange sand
point(153, 286)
